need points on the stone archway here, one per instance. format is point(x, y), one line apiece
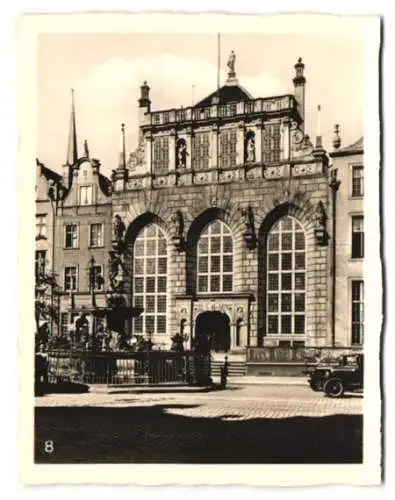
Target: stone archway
point(212, 331)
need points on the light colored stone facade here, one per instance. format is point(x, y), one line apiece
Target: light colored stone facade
point(348, 269)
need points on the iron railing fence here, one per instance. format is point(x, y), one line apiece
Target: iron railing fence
point(120, 368)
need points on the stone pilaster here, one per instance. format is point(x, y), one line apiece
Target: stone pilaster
point(285, 142)
point(148, 154)
point(258, 142)
point(214, 147)
point(240, 144)
point(188, 142)
point(172, 151)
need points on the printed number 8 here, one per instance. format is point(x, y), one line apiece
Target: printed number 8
point(49, 447)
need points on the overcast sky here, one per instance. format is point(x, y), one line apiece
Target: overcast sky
point(106, 72)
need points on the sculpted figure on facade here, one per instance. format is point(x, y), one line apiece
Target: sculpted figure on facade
point(118, 228)
point(249, 231)
point(179, 224)
point(321, 217)
point(321, 233)
point(251, 149)
point(231, 62)
point(115, 265)
point(178, 238)
point(248, 218)
point(181, 154)
point(86, 149)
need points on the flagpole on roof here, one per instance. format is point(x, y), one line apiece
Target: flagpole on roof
point(219, 62)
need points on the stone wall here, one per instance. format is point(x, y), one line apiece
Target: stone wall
point(269, 199)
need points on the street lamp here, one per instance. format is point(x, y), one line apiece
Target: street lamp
point(54, 194)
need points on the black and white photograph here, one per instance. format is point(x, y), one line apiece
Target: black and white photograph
point(206, 199)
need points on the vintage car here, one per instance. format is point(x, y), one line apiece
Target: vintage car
point(336, 378)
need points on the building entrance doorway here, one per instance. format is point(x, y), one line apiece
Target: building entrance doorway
point(212, 331)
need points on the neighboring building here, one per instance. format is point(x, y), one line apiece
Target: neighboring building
point(226, 206)
point(47, 182)
point(79, 224)
point(47, 188)
point(348, 161)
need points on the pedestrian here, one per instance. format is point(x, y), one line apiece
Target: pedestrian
point(41, 367)
point(224, 373)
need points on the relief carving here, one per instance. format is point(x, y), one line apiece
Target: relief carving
point(159, 181)
point(321, 233)
point(249, 227)
point(119, 229)
point(178, 237)
point(274, 172)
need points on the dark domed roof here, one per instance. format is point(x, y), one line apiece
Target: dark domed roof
point(227, 93)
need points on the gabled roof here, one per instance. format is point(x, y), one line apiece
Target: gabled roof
point(48, 173)
point(352, 149)
point(105, 184)
point(227, 93)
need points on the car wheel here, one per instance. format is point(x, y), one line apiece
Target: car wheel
point(334, 388)
point(315, 384)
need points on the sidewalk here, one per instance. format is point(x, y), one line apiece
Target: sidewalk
point(232, 381)
point(268, 380)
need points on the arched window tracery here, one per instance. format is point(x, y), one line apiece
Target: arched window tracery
point(286, 278)
point(150, 280)
point(215, 259)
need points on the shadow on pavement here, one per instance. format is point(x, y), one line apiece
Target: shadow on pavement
point(172, 390)
point(153, 434)
point(60, 388)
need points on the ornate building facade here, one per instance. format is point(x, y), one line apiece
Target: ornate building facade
point(227, 210)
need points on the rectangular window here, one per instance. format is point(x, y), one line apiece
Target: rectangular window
point(271, 143)
point(228, 142)
point(41, 226)
point(70, 279)
point(357, 181)
point(200, 150)
point(40, 262)
point(161, 155)
point(86, 195)
point(357, 311)
point(71, 236)
point(357, 237)
point(64, 324)
point(96, 235)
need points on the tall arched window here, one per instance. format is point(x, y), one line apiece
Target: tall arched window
point(286, 278)
point(150, 280)
point(215, 259)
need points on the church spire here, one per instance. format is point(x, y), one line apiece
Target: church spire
point(72, 152)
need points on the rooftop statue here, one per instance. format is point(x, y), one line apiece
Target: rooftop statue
point(231, 62)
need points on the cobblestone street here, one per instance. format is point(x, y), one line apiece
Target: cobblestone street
point(240, 424)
